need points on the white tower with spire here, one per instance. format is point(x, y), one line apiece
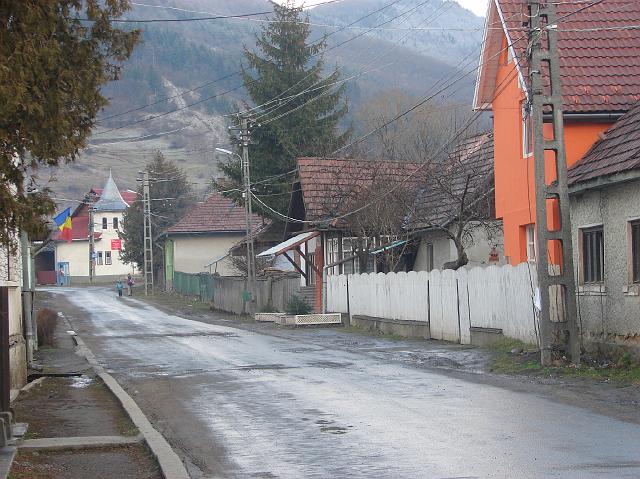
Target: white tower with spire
point(73, 257)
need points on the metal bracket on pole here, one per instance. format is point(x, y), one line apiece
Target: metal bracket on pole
point(558, 325)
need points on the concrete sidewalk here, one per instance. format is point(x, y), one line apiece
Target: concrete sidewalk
point(76, 427)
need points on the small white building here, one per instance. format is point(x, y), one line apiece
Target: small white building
point(72, 258)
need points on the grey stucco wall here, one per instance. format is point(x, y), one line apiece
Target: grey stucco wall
point(478, 248)
point(610, 317)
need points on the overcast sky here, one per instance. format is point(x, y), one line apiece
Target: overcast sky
point(479, 7)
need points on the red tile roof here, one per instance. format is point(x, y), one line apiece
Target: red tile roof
point(465, 179)
point(617, 152)
point(128, 195)
point(217, 214)
point(599, 49)
point(330, 186)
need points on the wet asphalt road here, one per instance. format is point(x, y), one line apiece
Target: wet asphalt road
point(240, 403)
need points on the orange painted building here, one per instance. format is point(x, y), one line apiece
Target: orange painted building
point(600, 71)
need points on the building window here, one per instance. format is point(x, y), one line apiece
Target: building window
point(333, 254)
point(635, 251)
point(115, 223)
point(527, 131)
point(105, 223)
point(107, 257)
point(593, 255)
point(430, 265)
point(532, 248)
point(99, 258)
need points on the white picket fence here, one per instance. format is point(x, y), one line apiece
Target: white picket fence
point(450, 301)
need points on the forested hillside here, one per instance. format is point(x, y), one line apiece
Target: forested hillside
point(394, 48)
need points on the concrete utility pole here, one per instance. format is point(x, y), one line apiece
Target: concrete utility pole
point(27, 296)
point(251, 258)
point(560, 334)
point(148, 239)
point(92, 244)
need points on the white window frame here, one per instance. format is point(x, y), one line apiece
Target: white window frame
point(105, 223)
point(583, 252)
point(532, 242)
point(115, 223)
point(108, 258)
point(99, 258)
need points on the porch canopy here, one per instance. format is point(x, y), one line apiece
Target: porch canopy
point(294, 244)
point(291, 243)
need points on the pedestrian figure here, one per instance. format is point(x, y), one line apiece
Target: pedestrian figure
point(130, 283)
point(61, 273)
point(119, 287)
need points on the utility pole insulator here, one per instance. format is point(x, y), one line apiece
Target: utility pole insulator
point(556, 277)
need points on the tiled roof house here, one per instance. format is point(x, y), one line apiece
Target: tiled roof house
point(599, 50)
point(202, 239)
point(604, 188)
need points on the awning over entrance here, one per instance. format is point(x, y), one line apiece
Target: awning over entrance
point(291, 243)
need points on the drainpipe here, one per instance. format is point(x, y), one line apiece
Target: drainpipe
point(27, 304)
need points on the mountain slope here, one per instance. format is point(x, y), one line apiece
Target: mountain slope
point(180, 56)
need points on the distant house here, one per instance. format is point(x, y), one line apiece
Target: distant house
point(605, 214)
point(461, 188)
point(71, 259)
point(322, 235)
point(600, 76)
point(202, 239)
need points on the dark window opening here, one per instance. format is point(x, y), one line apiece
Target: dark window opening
point(593, 255)
point(635, 250)
point(105, 223)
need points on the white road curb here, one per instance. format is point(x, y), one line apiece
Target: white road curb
point(170, 464)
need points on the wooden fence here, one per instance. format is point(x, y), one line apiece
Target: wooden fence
point(452, 302)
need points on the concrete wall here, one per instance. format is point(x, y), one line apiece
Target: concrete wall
point(610, 313)
point(444, 250)
point(192, 252)
point(450, 302)
point(11, 277)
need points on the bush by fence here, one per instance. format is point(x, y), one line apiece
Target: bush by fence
point(227, 293)
point(46, 321)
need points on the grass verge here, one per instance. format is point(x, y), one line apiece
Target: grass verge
point(517, 358)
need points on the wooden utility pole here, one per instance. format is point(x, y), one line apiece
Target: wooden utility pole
point(148, 239)
point(558, 328)
point(246, 177)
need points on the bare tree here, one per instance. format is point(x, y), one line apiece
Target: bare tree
point(359, 186)
point(419, 136)
point(457, 197)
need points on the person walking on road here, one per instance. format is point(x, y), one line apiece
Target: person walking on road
point(130, 283)
point(119, 287)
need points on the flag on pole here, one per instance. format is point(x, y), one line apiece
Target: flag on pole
point(63, 222)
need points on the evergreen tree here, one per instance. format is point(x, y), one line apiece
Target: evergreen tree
point(52, 68)
point(305, 120)
point(171, 196)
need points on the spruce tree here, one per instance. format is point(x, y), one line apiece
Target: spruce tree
point(305, 118)
point(171, 197)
